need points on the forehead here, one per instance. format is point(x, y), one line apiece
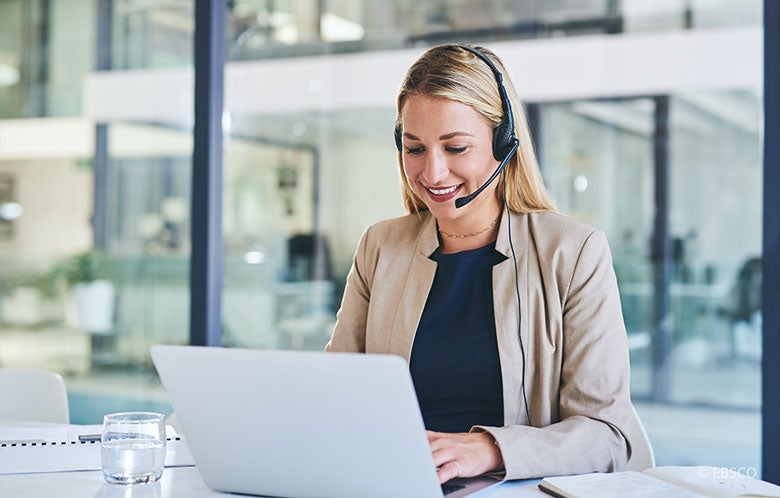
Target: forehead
point(421, 112)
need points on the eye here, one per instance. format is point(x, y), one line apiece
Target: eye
point(415, 151)
point(457, 149)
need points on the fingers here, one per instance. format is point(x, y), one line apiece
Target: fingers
point(463, 454)
point(460, 469)
point(440, 440)
point(443, 439)
point(449, 470)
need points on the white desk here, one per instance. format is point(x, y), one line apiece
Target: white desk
point(35, 447)
point(176, 482)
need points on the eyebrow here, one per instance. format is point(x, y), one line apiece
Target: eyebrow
point(446, 136)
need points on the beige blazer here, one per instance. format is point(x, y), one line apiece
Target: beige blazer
point(577, 371)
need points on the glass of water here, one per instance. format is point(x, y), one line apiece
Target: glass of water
point(132, 447)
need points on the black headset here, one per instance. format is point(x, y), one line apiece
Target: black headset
point(505, 142)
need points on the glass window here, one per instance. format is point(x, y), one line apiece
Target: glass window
point(96, 187)
point(299, 190)
point(598, 159)
point(94, 213)
point(11, 58)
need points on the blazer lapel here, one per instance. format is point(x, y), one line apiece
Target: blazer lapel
point(416, 286)
point(506, 313)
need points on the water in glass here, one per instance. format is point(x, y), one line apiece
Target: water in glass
point(133, 448)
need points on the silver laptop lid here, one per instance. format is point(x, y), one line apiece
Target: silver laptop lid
point(300, 424)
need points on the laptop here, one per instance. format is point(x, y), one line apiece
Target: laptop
point(297, 424)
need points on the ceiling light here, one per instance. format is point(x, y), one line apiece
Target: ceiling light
point(254, 257)
point(10, 211)
point(336, 28)
point(580, 183)
point(9, 75)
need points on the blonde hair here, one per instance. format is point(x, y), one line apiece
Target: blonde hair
point(453, 73)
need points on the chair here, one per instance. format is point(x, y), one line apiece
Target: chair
point(743, 312)
point(31, 394)
point(642, 456)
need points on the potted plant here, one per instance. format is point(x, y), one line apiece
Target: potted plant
point(28, 298)
point(21, 303)
point(87, 275)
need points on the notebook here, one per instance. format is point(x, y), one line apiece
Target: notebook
point(666, 481)
point(32, 448)
point(303, 424)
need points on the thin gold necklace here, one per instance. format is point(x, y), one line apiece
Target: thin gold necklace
point(459, 236)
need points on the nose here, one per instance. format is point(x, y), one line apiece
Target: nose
point(436, 170)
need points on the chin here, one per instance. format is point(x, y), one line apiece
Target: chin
point(447, 211)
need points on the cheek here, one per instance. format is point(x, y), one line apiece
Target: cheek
point(412, 169)
point(465, 168)
point(482, 168)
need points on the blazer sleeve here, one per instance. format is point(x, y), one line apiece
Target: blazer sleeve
point(349, 334)
point(594, 394)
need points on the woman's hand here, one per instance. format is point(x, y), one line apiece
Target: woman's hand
point(463, 454)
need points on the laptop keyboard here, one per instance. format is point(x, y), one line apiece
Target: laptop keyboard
point(448, 488)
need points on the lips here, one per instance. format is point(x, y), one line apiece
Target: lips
point(443, 194)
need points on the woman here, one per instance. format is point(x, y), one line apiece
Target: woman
point(507, 312)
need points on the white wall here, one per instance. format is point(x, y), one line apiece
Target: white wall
point(543, 70)
point(56, 195)
point(359, 179)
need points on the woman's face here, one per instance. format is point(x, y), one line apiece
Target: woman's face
point(447, 154)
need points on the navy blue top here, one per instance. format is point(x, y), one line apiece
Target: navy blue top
point(454, 363)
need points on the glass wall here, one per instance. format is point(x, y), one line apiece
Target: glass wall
point(94, 251)
point(700, 398)
point(95, 162)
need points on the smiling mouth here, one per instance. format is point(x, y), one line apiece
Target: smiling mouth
point(443, 194)
point(442, 191)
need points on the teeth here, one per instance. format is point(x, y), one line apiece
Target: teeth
point(443, 191)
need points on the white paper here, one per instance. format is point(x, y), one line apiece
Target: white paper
point(716, 481)
point(47, 434)
point(58, 449)
point(667, 482)
point(618, 485)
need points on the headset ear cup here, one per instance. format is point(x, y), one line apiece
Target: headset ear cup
point(398, 142)
point(503, 139)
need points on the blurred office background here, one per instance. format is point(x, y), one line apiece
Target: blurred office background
point(639, 108)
